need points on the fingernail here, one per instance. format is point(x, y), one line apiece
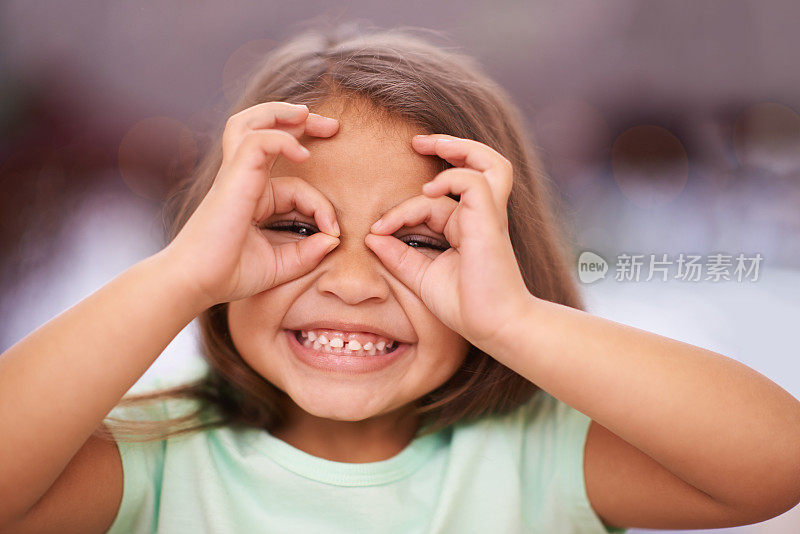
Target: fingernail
point(377, 225)
point(304, 150)
point(323, 117)
point(336, 227)
point(421, 136)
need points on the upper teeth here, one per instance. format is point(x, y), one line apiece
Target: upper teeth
point(321, 341)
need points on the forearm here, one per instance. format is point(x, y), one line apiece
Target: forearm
point(58, 383)
point(708, 419)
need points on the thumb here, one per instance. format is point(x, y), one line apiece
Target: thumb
point(406, 263)
point(293, 260)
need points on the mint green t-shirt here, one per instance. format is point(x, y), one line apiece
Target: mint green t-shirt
point(517, 473)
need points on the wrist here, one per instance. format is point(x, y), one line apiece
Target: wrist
point(519, 329)
point(176, 280)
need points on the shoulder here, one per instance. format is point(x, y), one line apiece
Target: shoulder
point(541, 443)
point(553, 422)
point(144, 462)
point(542, 417)
point(529, 436)
point(140, 427)
point(555, 443)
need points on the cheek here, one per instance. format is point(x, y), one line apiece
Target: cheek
point(442, 360)
point(456, 352)
point(446, 349)
point(443, 345)
point(240, 326)
point(253, 321)
point(253, 333)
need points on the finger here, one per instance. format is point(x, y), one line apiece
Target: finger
point(475, 192)
point(259, 119)
point(266, 114)
point(292, 192)
point(474, 155)
point(433, 212)
point(300, 257)
point(477, 208)
point(245, 181)
point(320, 126)
point(294, 118)
point(406, 263)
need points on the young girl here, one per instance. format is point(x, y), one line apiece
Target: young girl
point(394, 338)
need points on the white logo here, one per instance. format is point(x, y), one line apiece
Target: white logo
point(591, 267)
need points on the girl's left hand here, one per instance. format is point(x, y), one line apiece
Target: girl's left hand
point(475, 287)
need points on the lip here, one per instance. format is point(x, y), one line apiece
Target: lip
point(343, 364)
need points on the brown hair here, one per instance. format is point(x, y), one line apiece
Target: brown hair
point(437, 90)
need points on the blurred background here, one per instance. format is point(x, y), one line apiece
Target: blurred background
point(667, 128)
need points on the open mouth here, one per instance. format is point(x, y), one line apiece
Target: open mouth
point(364, 351)
point(342, 360)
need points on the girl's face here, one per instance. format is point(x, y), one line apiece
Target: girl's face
point(364, 169)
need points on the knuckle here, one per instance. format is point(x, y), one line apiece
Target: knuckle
point(459, 172)
point(446, 201)
point(248, 143)
point(285, 180)
point(474, 176)
point(228, 133)
point(269, 136)
point(405, 261)
point(245, 116)
point(278, 103)
point(251, 140)
point(298, 186)
point(233, 122)
point(412, 203)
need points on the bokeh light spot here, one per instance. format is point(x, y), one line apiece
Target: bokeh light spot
point(650, 165)
point(767, 135)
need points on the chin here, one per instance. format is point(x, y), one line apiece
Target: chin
point(344, 406)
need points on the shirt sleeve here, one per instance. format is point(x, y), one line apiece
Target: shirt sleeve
point(142, 466)
point(572, 428)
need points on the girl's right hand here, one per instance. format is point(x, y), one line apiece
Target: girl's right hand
point(221, 250)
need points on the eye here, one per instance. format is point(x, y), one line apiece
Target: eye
point(294, 226)
point(418, 241)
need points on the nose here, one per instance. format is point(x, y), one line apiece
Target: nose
point(352, 273)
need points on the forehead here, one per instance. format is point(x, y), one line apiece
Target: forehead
point(368, 165)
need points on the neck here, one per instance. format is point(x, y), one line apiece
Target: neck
point(369, 440)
